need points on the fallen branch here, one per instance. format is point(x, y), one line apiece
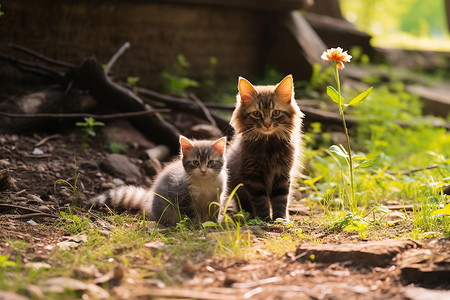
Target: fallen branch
point(35, 215)
point(205, 110)
point(83, 115)
point(33, 68)
point(182, 104)
point(44, 58)
point(111, 94)
point(113, 59)
point(21, 208)
point(419, 169)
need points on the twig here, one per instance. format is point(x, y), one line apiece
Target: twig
point(418, 170)
point(256, 283)
point(42, 57)
point(31, 67)
point(183, 104)
point(173, 293)
point(253, 292)
point(203, 108)
point(35, 215)
point(83, 115)
point(116, 56)
point(19, 207)
point(46, 139)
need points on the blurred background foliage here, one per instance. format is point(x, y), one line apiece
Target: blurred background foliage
point(407, 24)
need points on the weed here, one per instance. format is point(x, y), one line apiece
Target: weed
point(176, 80)
point(88, 126)
point(72, 188)
point(75, 224)
point(116, 147)
point(232, 240)
point(5, 262)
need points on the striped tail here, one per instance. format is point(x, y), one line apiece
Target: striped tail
point(125, 197)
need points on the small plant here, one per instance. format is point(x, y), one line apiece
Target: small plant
point(233, 239)
point(176, 80)
point(5, 262)
point(337, 56)
point(115, 147)
point(88, 126)
point(76, 224)
point(444, 215)
point(72, 188)
point(132, 80)
point(209, 77)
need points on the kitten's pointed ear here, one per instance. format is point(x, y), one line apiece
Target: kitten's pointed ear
point(220, 145)
point(285, 89)
point(186, 145)
point(247, 91)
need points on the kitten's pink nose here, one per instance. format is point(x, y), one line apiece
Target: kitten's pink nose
point(203, 172)
point(267, 124)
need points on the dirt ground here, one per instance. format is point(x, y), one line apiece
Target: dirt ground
point(341, 268)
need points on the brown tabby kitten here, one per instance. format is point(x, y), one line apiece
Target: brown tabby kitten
point(185, 187)
point(265, 152)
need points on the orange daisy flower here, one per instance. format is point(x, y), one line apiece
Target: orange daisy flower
point(336, 55)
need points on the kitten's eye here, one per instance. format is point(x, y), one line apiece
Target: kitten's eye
point(211, 163)
point(256, 114)
point(275, 113)
point(195, 163)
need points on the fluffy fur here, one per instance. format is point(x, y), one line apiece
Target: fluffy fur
point(265, 153)
point(185, 187)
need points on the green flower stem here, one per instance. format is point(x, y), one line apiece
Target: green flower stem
point(349, 149)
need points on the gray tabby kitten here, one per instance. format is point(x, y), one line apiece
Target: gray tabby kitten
point(185, 187)
point(265, 152)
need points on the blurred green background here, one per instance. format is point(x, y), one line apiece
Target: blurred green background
point(410, 24)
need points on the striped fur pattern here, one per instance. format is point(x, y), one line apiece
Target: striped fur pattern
point(265, 153)
point(185, 187)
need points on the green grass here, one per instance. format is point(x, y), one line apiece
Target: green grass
point(412, 169)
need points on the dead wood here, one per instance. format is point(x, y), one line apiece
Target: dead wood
point(44, 58)
point(92, 77)
point(205, 110)
point(83, 115)
point(184, 105)
point(32, 68)
point(36, 215)
point(113, 95)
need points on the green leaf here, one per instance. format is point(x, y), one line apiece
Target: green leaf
point(433, 200)
point(443, 211)
point(312, 181)
point(338, 151)
point(334, 95)
point(3, 258)
point(368, 162)
point(209, 224)
point(382, 208)
point(360, 97)
point(357, 157)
